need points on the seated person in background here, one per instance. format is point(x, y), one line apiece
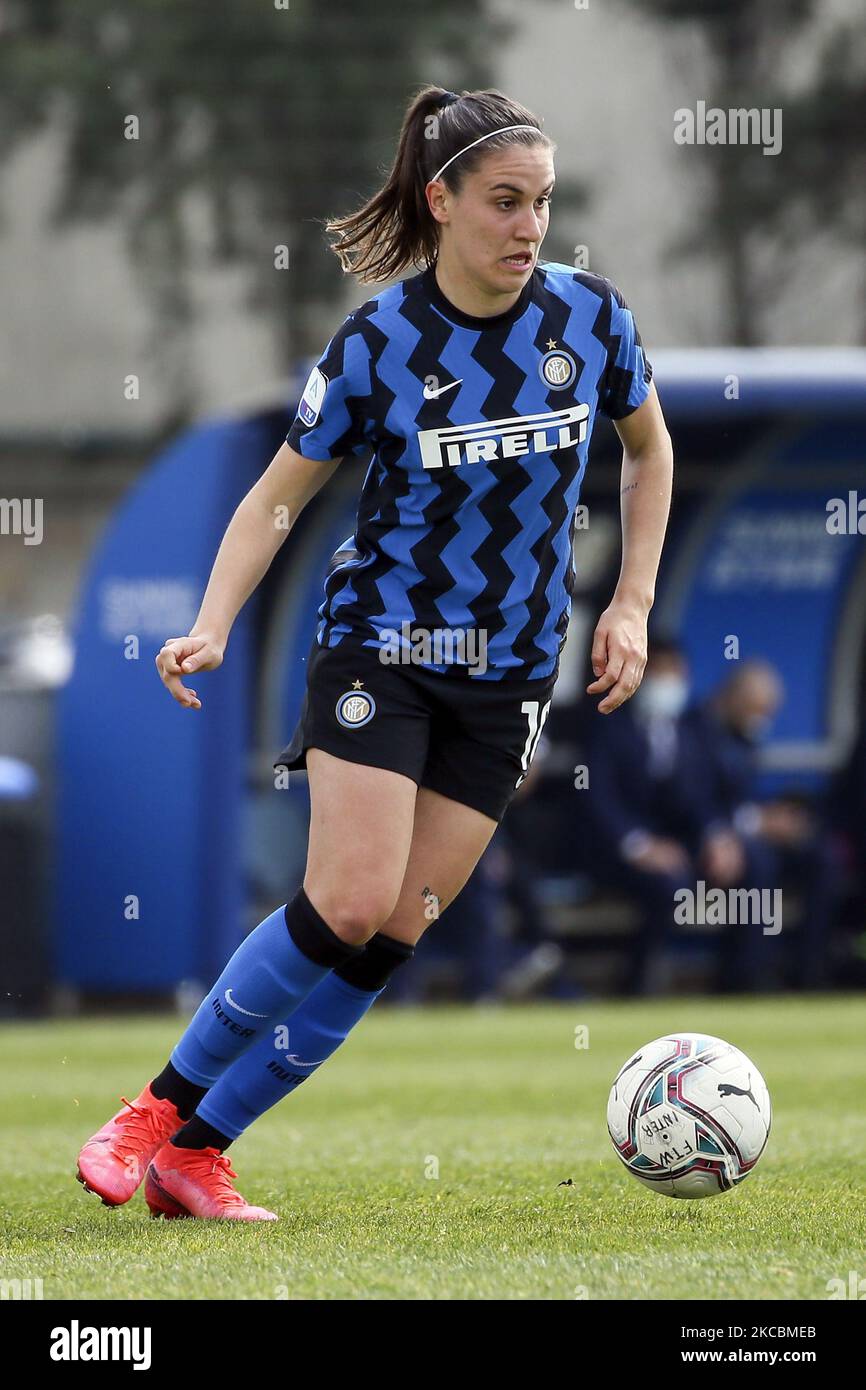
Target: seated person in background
point(785, 839)
point(653, 826)
point(847, 815)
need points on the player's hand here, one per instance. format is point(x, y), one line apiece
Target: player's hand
point(724, 858)
point(619, 652)
point(181, 656)
point(784, 823)
point(660, 856)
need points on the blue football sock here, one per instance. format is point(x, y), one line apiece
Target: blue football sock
point(280, 1061)
point(268, 1071)
point(268, 976)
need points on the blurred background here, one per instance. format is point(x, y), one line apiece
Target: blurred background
point(166, 172)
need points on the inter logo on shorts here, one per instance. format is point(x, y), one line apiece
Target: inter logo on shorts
point(557, 369)
point(354, 709)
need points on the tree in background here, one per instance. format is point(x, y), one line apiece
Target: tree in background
point(266, 118)
point(824, 184)
point(759, 207)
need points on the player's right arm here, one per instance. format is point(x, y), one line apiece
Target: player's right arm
point(253, 536)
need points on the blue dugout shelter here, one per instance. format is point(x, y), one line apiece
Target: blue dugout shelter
point(769, 549)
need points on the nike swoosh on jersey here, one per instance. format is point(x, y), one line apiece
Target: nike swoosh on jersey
point(430, 395)
point(240, 1008)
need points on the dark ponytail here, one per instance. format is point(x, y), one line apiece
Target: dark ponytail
point(395, 230)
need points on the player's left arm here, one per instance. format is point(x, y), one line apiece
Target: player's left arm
point(619, 648)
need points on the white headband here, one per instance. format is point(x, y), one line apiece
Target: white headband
point(478, 142)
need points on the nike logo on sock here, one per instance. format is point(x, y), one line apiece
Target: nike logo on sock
point(249, 1012)
point(296, 1061)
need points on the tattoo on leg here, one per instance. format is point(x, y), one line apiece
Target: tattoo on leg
point(431, 911)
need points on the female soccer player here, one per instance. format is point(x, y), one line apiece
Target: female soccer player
point(475, 382)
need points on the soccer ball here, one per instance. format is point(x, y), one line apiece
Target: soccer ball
point(689, 1115)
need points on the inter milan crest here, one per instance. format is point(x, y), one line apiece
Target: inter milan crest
point(557, 369)
point(354, 709)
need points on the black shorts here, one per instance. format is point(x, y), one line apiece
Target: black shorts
point(468, 739)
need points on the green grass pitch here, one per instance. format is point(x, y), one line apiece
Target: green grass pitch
point(503, 1107)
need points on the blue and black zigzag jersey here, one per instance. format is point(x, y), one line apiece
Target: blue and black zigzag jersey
point(479, 430)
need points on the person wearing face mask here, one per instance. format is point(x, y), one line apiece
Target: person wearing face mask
point(782, 836)
point(654, 825)
point(846, 803)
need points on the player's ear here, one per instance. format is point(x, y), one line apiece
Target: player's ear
point(437, 199)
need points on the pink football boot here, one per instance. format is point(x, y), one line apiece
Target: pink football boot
point(113, 1163)
point(197, 1182)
